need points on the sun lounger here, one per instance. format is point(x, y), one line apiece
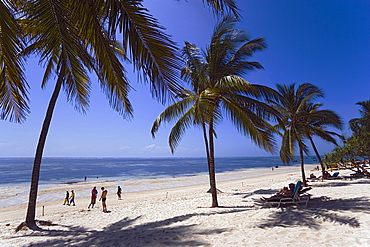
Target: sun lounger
point(335, 176)
point(299, 196)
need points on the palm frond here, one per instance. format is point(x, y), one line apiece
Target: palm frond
point(152, 52)
point(250, 124)
point(180, 127)
point(172, 112)
point(223, 6)
point(13, 86)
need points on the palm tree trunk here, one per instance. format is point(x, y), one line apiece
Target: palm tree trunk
point(207, 149)
point(206, 143)
point(302, 167)
point(212, 174)
point(31, 209)
point(317, 155)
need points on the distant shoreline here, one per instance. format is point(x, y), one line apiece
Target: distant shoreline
point(18, 195)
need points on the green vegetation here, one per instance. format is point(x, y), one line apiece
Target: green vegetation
point(73, 39)
point(218, 91)
point(356, 148)
point(300, 120)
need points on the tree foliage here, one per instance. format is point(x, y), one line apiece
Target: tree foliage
point(218, 90)
point(72, 39)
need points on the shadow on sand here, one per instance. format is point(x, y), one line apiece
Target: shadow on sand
point(125, 233)
point(319, 210)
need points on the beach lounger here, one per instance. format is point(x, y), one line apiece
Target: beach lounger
point(299, 196)
point(335, 176)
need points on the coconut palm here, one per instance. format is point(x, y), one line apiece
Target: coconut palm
point(71, 41)
point(292, 105)
point(71, 54)
point(317, 123)
point(218, 91)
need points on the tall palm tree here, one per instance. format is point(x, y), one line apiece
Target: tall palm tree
point(70, 54)
point(317, 123)
point(70, 39)
point(218, 90)
point(292, 104)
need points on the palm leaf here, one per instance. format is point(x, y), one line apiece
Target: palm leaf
point(151, 50)
point(13, 86)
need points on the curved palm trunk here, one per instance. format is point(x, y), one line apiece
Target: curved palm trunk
point(302, 166)
point(212, 174)
point(317, 155)
point(31, 209)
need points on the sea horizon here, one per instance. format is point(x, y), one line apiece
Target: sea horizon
point(17, 170)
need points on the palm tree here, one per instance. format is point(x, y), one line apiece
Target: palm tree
point(218, 90)
point(317, 123)
point(70, 54)
point(71, 40)
point(292, 105)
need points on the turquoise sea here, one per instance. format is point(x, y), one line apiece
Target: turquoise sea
point(66, 170)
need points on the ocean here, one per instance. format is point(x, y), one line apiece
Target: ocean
point(67, 170)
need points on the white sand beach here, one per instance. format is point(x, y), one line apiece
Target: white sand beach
point(177, 212)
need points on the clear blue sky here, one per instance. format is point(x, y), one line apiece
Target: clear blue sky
point(326, 43)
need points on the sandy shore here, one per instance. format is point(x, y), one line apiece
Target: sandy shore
point(176, 212)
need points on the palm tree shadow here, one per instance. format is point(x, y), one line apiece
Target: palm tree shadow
point(258, 192)
point(125, 233)
point(320, 209)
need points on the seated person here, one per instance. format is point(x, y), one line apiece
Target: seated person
point(283, 193)
point(327, 175)
point(312, 175)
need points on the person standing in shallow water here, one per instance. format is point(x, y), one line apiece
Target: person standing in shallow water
point(103, 199)
point(119, 192)
point(66, 199)
point(94, 195)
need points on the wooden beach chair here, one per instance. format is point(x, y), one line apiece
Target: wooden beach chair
point(299, 196)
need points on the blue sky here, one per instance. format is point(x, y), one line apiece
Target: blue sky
point(326, 43)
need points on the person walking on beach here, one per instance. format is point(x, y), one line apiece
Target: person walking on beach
point(94, 195)
point(103, 199)
point(72, 198)
point(66, 199)
point(119, 192)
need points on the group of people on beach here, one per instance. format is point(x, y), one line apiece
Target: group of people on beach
point(70, 199)
point(103, 198)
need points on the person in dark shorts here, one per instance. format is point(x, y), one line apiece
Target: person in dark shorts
point(119, 192)
point(72, 198)
point(103, 199)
